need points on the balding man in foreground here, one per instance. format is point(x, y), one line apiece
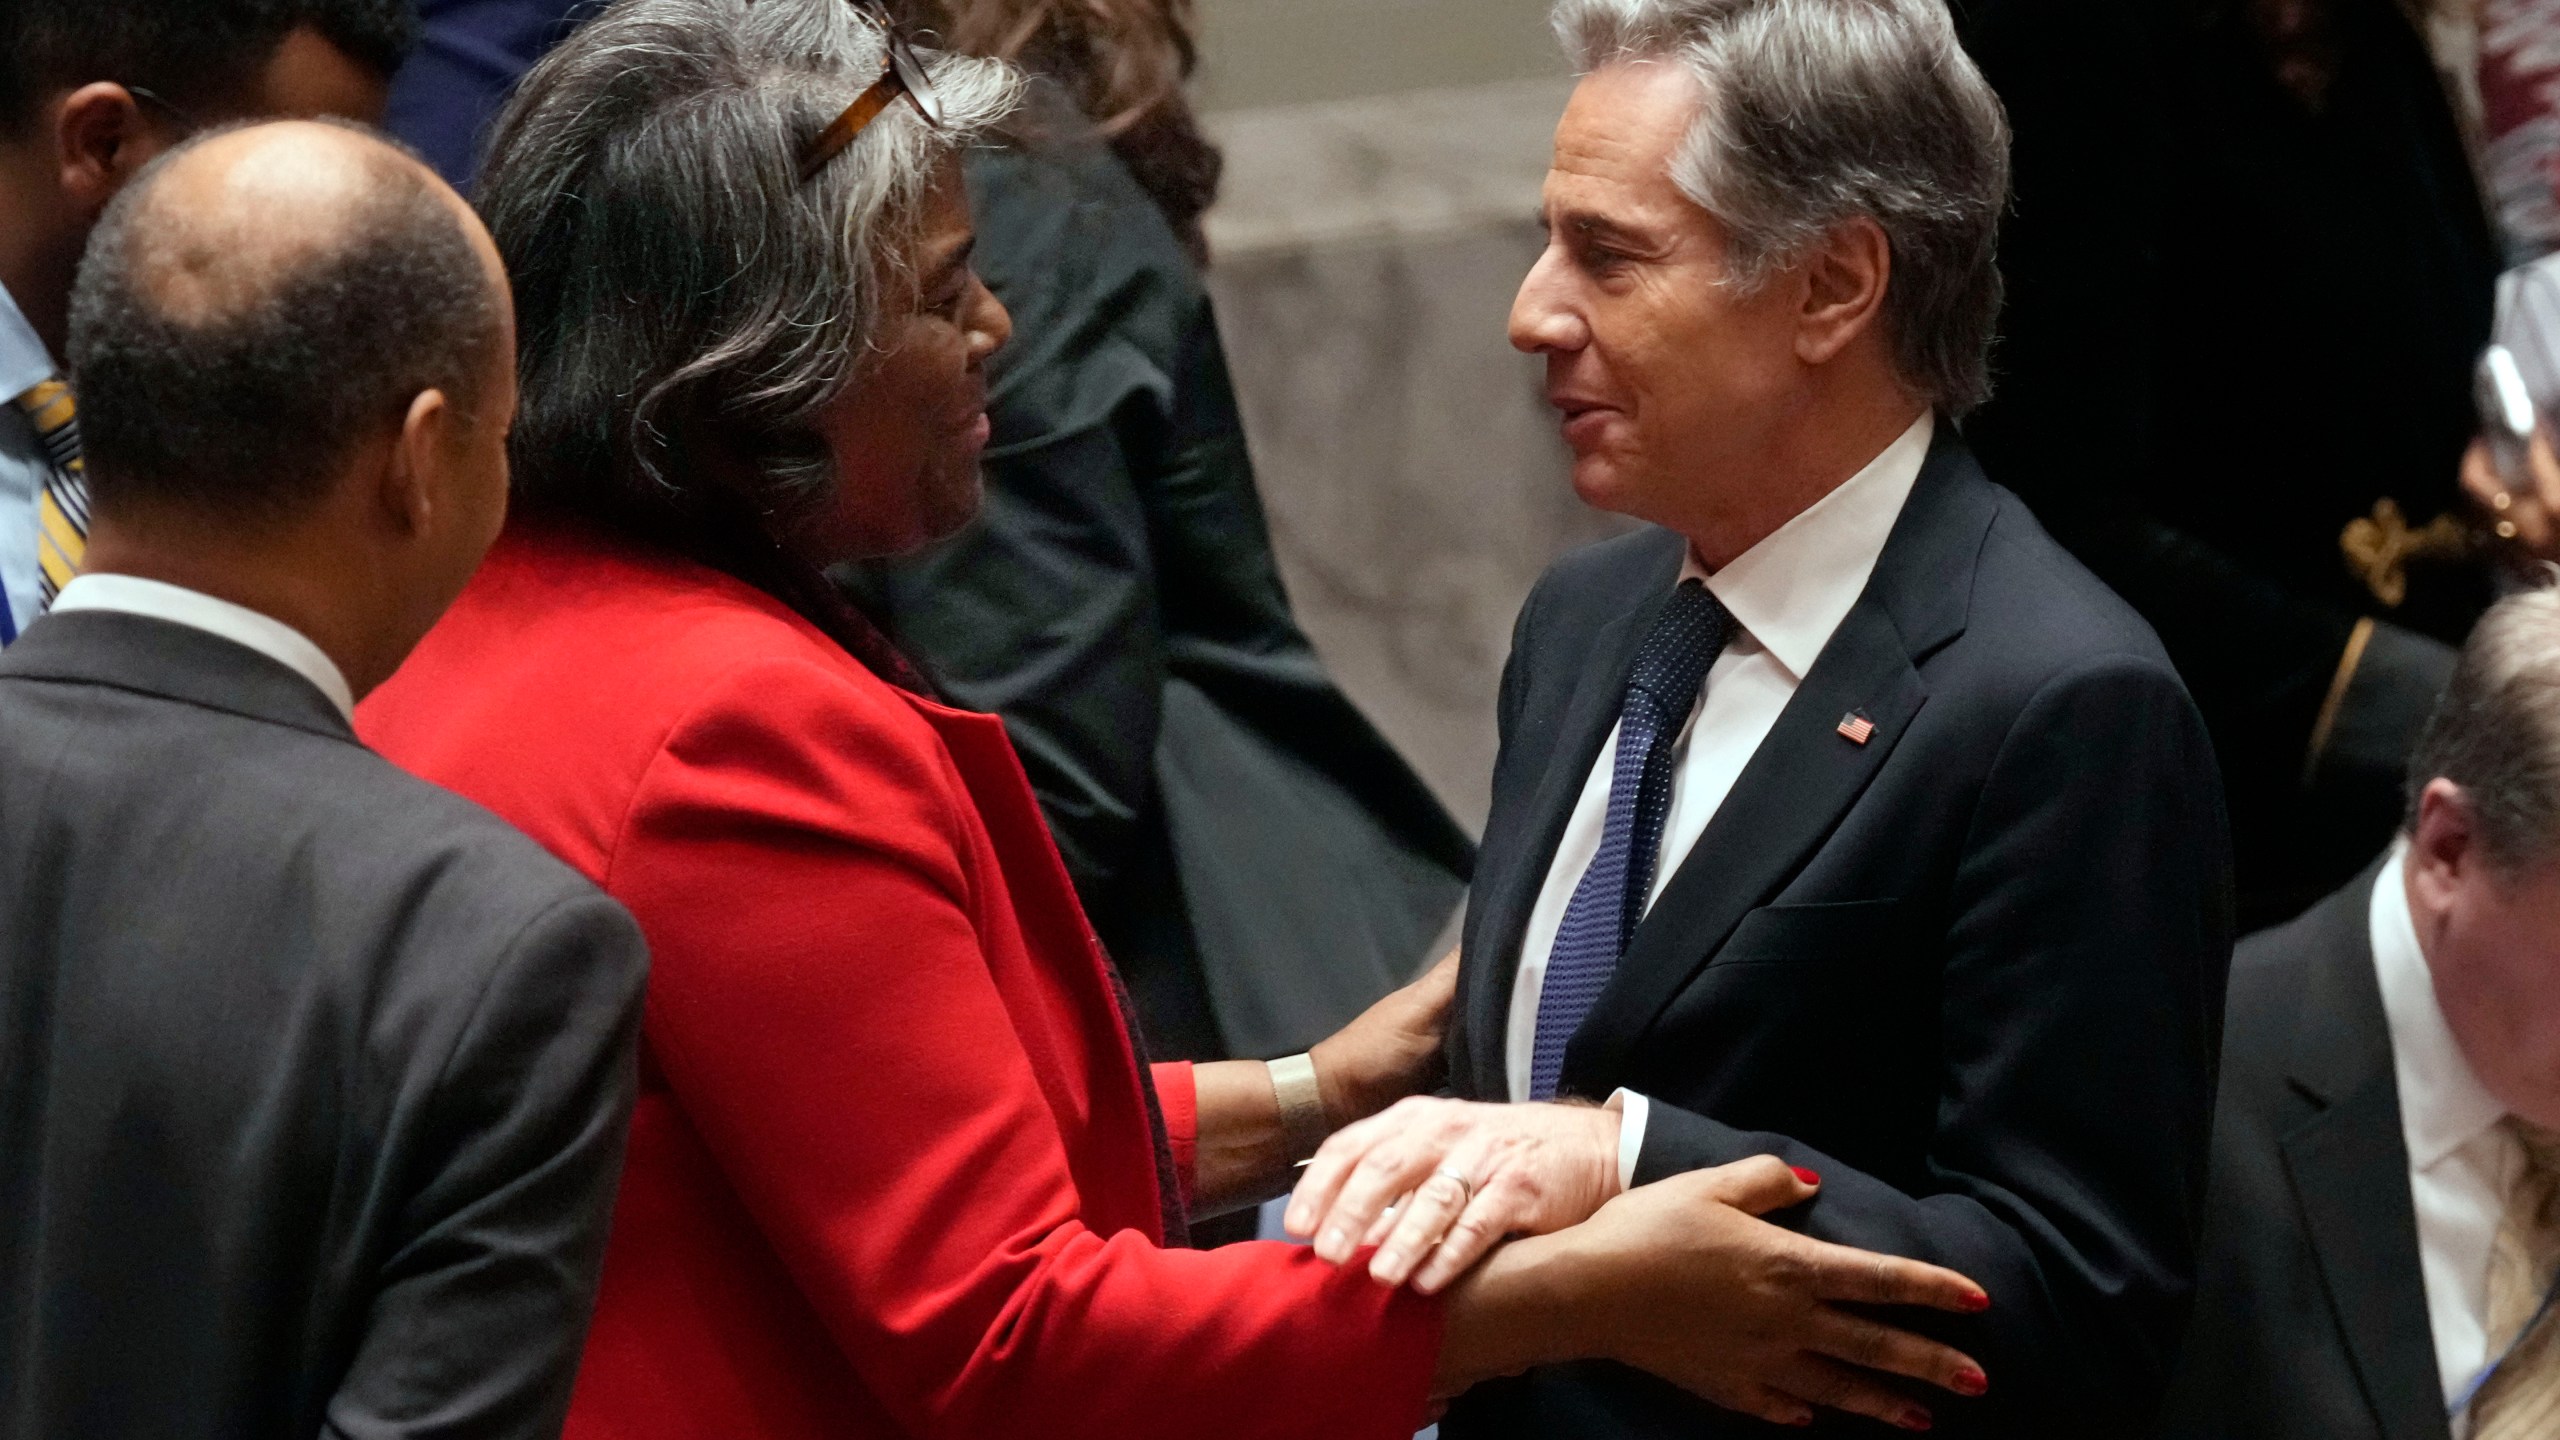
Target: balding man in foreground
point(313, 1078)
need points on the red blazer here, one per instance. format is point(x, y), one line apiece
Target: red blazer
point(891, 1172)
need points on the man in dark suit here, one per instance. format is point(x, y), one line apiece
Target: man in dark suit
point(2383, 1220)
point(1843, 815)
point(313, 1078)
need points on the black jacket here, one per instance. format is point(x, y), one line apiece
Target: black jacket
point(1970, 970)
point(2311, 1312)
point(313, 1077)
point(1256, 857)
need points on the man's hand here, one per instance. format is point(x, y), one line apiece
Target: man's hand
point(1391, 1051)
point(1466, 1174)
point(2522, 517)
point(1747, 1315)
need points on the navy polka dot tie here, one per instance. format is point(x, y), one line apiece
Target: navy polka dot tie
point(1693, 630)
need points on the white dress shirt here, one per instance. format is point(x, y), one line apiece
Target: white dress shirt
point(1787, 595)
point(133, 595)
point(2461, 1162)
point(24, 467)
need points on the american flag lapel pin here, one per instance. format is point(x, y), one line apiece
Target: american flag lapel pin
point(1857, 727)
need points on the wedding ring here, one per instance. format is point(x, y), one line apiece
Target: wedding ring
point(1466, 1187)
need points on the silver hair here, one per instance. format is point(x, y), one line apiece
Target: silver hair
point(678, 287)
point(1818, 111)
point(2496, 731)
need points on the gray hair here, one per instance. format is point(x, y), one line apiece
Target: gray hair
point(2496, 731)
point(1818, 111)
point(679, 290)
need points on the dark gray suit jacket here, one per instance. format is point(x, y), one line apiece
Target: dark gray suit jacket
point(313, 1077)
point(1971, 970)
point(2311, 1312)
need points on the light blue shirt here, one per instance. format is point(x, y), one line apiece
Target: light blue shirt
point(24, 364)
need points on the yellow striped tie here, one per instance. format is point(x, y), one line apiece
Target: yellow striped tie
point(2522, 1401)
point(62, 515)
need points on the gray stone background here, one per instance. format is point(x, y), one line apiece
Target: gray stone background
point(1383, 165)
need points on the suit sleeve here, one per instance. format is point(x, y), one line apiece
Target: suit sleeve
point(826, 1012)
point(482, 1311)
point(2079, 1027)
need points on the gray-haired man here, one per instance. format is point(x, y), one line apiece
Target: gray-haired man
point(2383, 1227)
point(1840, 814)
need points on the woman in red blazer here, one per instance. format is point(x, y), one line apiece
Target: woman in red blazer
point(897, 1168)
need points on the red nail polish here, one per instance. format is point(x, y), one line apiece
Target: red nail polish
point(1970, 1381)
point(1805, 1175)
point(1914, 1420)
point(1977, 1302)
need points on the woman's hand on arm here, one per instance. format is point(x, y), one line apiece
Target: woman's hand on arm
point(1681, 1279)
point(1392, 1050)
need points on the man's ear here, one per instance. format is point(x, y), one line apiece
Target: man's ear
point(2444, 847)
point(101, 137)
point(414, 484)
point(1844, 283)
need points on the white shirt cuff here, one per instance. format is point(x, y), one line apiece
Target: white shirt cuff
point(1633, 1110)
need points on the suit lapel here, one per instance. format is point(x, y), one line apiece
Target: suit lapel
point(1589, 713)
point(1806, 774)
point(1803, 778)
point(2350, 1173)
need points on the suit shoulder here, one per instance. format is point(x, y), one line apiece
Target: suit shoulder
point(389, 824)
point(2269, 973)
point(2275, 974)
point(2045, 612)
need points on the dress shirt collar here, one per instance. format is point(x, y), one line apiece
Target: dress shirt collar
point(24, 364)
point(133, 595)
point(1792, 590)
point(2443, 1105)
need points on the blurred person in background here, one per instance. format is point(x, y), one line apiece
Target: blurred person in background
point(314, 1079)
point(898, 1165)
point(2383, 1229)
point(1840, 814)
point(1256, 857)
point(90, 91)
point(2250, 270)
point(469, 56)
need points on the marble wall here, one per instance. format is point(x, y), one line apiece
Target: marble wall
point(1291, 52)
point(1366, 259)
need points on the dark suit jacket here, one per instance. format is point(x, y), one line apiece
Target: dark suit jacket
point(313, 1077)
point(2311, 1314)
point(1971, 970)
point(470, 55)
point(1258, 859)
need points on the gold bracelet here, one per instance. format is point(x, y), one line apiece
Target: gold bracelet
point(1302, 1122)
